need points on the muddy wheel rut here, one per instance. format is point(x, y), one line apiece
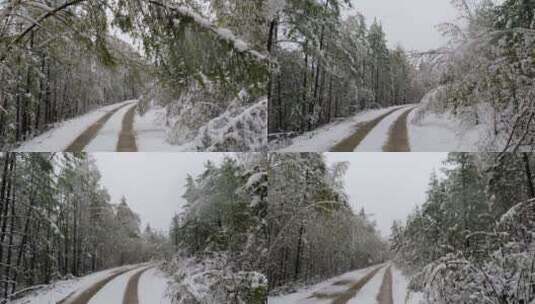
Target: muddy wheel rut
point(131, 293)
point(363, 129)
point(345, 296)
point(385, 292)
point(398, 135)
point(127, 137)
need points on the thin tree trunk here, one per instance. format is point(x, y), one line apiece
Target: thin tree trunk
point(304, 108)
point(529, 177)
point(10, 244)
point(298, 254)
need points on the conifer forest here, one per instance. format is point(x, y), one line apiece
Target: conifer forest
point(267, 151)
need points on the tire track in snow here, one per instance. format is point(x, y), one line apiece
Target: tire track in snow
point(79, 144)
point(131, 293)
point(127, 137)
point(385, 292)
point(108, 137)
point(85, 296)
point(344, 297)
point(398, 135)
point(363, 129)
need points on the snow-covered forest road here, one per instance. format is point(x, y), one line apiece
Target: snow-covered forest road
point(110, 129)
point(384, 130)
point(387, 133)
point(380, 284)
point(406, 128)
point(137, 284)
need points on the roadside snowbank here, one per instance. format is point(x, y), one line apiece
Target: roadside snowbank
point(60, 137)
point(442, 133)
point(432, 128)
point(400, 289)
point(153, 287)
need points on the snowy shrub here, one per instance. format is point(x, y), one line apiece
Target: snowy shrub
point(432, 102)
point(203, 119)
point(212, 279)
point(239, 128)
point(505, 276)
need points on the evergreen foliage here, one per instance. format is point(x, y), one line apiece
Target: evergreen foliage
point(56, 219)
point(470, 241)
point(328, 67)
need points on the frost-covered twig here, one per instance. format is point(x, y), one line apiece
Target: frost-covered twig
point(222, 34)
point(30, 28)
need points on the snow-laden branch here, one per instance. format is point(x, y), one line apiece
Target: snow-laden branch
point(30, 28)
point(222, 34)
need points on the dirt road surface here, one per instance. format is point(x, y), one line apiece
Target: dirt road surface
point(345, 296)
point(127, 137)
point(131, 293)
point(86, 295)
point(90, 133)
point(398, 135)
point(385, 293)
point(350, 144)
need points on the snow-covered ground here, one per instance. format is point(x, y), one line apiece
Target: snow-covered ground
point(151, 132)
point(153, 287)
point(443, 133)
point(400, 293)
point(326, 137)
point(435, 129)
point(108, 136)
point(57, 291)
point(366, 295)
point(60, 137)
point(378, 136)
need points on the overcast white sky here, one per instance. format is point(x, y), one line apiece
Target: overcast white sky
point(388, 185)
point(410, 23)
point(153, 183)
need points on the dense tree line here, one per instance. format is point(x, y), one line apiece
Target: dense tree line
point(56, 219)
point(469, 242)
point(487, 73)
point(59, 67)
point(328, 66)
point(220, 235)
point(313, 233)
